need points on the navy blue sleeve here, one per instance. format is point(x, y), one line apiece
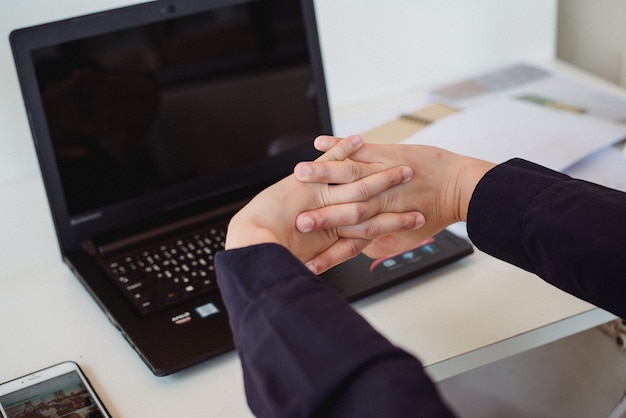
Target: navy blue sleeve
point(305, 352)
point(570, 232)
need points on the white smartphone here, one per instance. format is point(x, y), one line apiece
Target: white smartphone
point(62, 390)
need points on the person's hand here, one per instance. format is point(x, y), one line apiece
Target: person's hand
point(440, 188)
point(271, 215)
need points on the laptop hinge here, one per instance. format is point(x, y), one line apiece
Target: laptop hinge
point(90, 248)
point(93, 248)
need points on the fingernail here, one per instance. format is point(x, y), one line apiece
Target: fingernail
point(419, 220)
point(305, 223)
point(407, 173)
point(303, 170)
point(356, 140)
point(321, 142)
point(311, 266)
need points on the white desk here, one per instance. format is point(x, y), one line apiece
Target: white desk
point(454, 319)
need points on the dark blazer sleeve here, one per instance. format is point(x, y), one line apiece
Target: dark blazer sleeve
point(306, 353)
point(570, 232)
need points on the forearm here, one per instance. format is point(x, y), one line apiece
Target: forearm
point(306, 352)
point(569, 232)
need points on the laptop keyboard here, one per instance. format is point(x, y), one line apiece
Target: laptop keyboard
point(169, 272)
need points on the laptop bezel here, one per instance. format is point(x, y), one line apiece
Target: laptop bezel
point(73, 233)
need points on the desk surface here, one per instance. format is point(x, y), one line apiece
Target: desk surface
point(462, 316)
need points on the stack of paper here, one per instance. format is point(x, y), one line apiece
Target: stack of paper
point(503, 128)
point(545, 116)
point(525, 111)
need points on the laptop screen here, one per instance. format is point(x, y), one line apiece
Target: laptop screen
point(196, 100)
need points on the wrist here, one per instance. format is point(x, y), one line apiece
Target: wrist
point(470, 175)
point(242, 233)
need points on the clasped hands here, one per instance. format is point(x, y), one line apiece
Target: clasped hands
point(357, 197)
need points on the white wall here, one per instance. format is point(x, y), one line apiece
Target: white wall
point(371, 48)
point(592, 35)
point(377, 47)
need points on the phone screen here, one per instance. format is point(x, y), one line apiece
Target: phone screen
point(65, 395)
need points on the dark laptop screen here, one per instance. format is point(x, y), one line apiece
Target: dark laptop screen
point(179, 108)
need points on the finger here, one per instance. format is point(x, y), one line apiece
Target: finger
point(337, 165)
point(325, 142)
point(366, 152)
point(396, 243)
point(352, 203)
point(342, 250)
point(383, 224)
point(367, 187)
point(330, 172)
point(342, 172)
point(334, 172)
point(340, 149)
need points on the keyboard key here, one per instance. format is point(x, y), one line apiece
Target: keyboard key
point(168, 272)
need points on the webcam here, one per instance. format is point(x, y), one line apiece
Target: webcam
point(171, 9)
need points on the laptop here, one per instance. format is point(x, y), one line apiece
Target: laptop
point(153, 124)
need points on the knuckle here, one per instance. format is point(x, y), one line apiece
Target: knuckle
point(406, 222)
point(362, 191)
point(410, 221)
point(360, 213)
point(394, 177)
point(353, 248)
point(371, 230)
point(355, 172)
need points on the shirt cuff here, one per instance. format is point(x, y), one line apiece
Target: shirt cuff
point(497, 207)
point(245, 273)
